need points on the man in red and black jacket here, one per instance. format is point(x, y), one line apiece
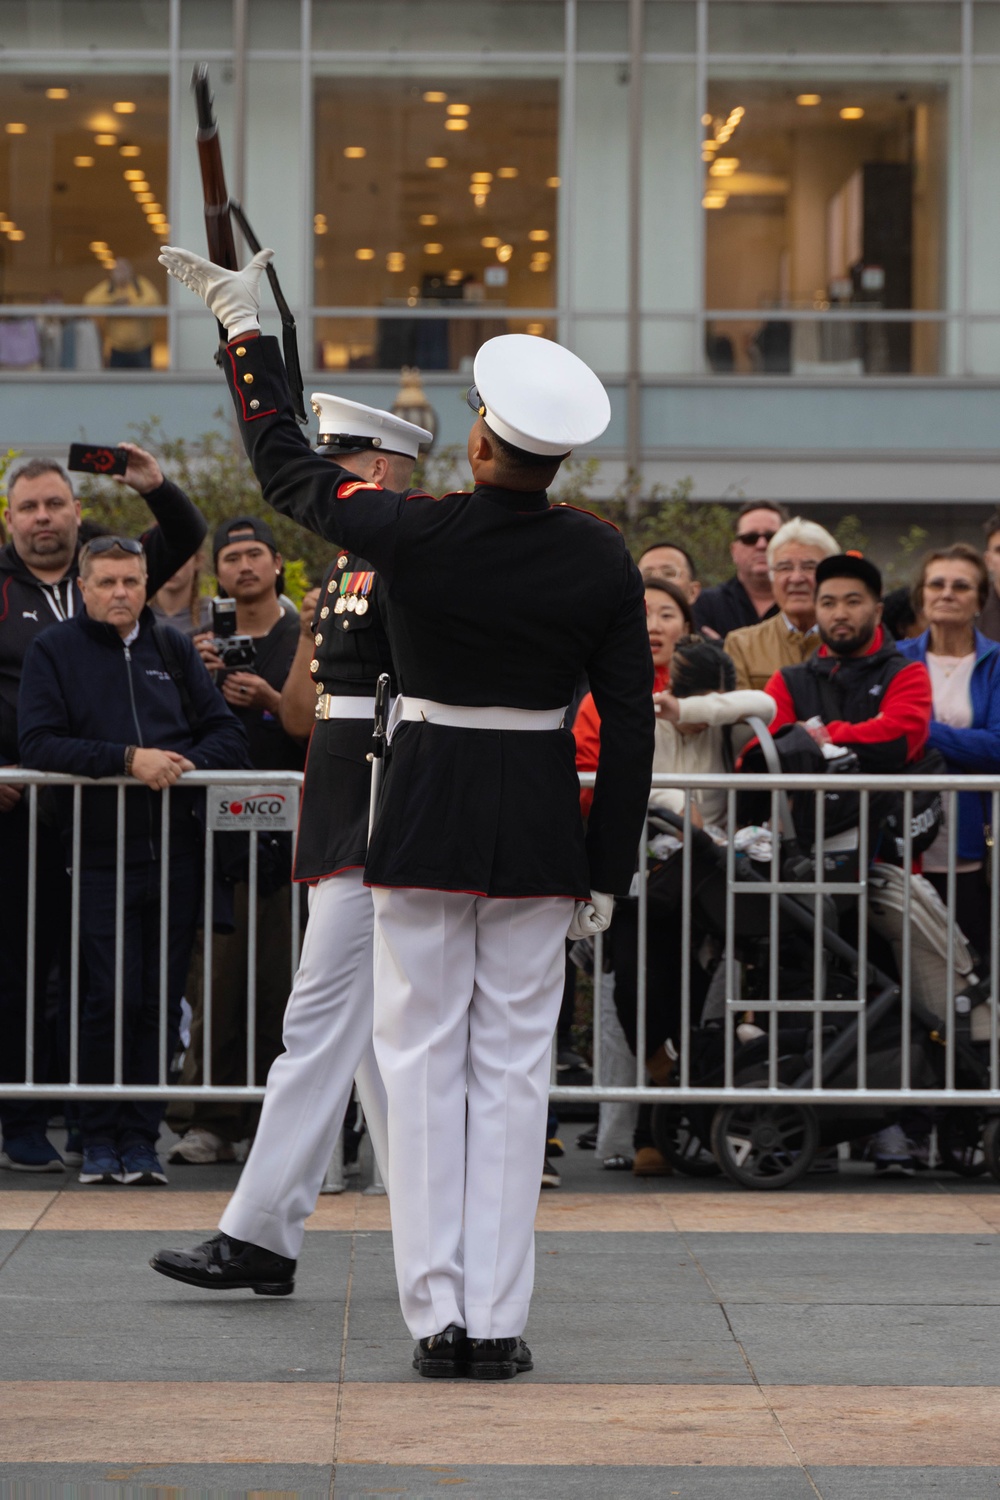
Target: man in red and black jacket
point(865, 695)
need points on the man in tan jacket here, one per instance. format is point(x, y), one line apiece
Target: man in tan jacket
point(789, 637)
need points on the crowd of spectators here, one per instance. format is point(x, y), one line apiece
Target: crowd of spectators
point(112, 664)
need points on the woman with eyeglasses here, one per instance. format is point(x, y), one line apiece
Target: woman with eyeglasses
point(964, 669)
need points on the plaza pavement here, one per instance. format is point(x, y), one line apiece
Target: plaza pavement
point(839, 1341)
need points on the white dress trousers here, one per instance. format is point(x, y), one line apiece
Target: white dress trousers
point(468, 990)
point(328, 1043)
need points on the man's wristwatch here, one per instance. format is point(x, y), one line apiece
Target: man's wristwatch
point(129, 758)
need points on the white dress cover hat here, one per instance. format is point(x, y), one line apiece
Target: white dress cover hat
point(538, 396)
point(348, 427)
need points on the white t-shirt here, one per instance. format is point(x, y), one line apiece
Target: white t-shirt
point(951, 692)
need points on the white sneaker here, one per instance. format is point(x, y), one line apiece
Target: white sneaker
point(200, 1148)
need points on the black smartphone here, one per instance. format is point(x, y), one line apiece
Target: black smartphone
point(93, 458)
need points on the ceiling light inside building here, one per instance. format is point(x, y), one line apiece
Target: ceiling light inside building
point(15, 234)
point(715, 200)
point(482, 177)
point(124, 107)
point(99, 247)
point(480, 200)
point(83, 161)
point(146, 197)
point(852, 112)
point(434, 96)
point(541, 235)
point(454, 277)
point(553, 182)
point(16, 127)
point(433, 248)
point(364, 253)
point(724, 166)
point(134, 174)
point(508, 172)
point(456, 124)
point(129, 150)
point(395, 261)
point(153, 210)
point(504, 253)
point(428, 220)
point(808, 100)
point(57, 93)
point(355, 153)
point(140, 185)
point(437, 162)
point(459, 109)
point(491, 241)
point(105, 138)
point(481, 189)
point(706, 119)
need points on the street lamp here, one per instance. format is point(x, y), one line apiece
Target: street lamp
point(412, 405)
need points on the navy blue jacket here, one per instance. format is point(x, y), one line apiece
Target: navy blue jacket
point(86, 696)
point(976, 750)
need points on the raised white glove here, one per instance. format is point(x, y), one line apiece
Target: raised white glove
point(593, 916)
point(233, 296)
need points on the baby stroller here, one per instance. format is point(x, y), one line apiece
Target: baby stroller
point(807, 947)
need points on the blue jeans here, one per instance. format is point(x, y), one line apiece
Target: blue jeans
point(117, 1122)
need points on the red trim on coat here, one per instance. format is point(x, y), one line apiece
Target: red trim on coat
point(252, 417)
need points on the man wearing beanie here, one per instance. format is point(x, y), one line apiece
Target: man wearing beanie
point(857, 691)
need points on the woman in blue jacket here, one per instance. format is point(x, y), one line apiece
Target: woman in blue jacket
point(964, 669)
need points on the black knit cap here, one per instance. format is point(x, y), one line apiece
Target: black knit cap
point(242, 529)
point(851, 565)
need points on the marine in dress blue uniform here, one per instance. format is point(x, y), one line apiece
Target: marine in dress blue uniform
point(497, 600)
point(327, 1029)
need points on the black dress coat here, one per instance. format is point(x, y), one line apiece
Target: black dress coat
point(351, 652)
point(495, 597)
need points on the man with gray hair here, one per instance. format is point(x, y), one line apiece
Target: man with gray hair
point(789, 637)
point(111, 693)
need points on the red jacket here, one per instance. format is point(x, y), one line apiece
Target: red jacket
point(886, 740)
point(587, 733)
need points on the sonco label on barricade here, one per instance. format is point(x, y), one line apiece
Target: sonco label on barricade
point(242, 809)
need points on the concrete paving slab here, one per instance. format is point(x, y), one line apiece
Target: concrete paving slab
point(78, 1306)
point(907, 1484)
point(148, 1481)
point(869, 1346)
point(565, 1482)
point(849, 1268)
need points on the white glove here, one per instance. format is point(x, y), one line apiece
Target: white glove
point(593, 916)
point(233, 296)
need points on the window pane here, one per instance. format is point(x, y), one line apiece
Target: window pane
point(986, 26)
point(805, 207)
point(821, 347)
point(409, 212)
point(602, 26)
point(438, 25)
point(275, 24)
point(206, 23)
point(427, 338)
point(670, 26)
point(758, 26)
point(69, 208)
point(85, 23)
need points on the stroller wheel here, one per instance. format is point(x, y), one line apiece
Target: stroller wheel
point(765, 1146)
point(960, 1143)
point(675, 1135)
point(991, 1147)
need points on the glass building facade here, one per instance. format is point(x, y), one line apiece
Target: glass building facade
point(771, 227)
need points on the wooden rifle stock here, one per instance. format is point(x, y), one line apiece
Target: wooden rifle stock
point(219, 213)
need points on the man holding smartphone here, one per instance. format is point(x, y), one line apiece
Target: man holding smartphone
point(38, 586)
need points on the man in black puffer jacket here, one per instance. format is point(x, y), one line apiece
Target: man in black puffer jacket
point(38, 585)
point(97, 695)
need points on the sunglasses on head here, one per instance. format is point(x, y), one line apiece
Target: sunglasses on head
point(99, 544)
point(751, 538)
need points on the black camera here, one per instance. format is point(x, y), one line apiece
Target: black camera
point(237, 651)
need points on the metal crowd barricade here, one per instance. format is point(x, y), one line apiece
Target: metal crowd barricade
point(236, 798)
point(863, 1006)
point(235, 801)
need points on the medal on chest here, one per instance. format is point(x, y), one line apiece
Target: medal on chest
point(354, 591)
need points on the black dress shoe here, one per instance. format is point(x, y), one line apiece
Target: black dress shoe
point(497, 1359)
point(443, 1355)
point(223, 1264)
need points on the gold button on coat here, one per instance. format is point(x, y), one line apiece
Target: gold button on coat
point(324, 611)
point(240, 352)
point(314, 665)
point(248, 378)
point(254, 405)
